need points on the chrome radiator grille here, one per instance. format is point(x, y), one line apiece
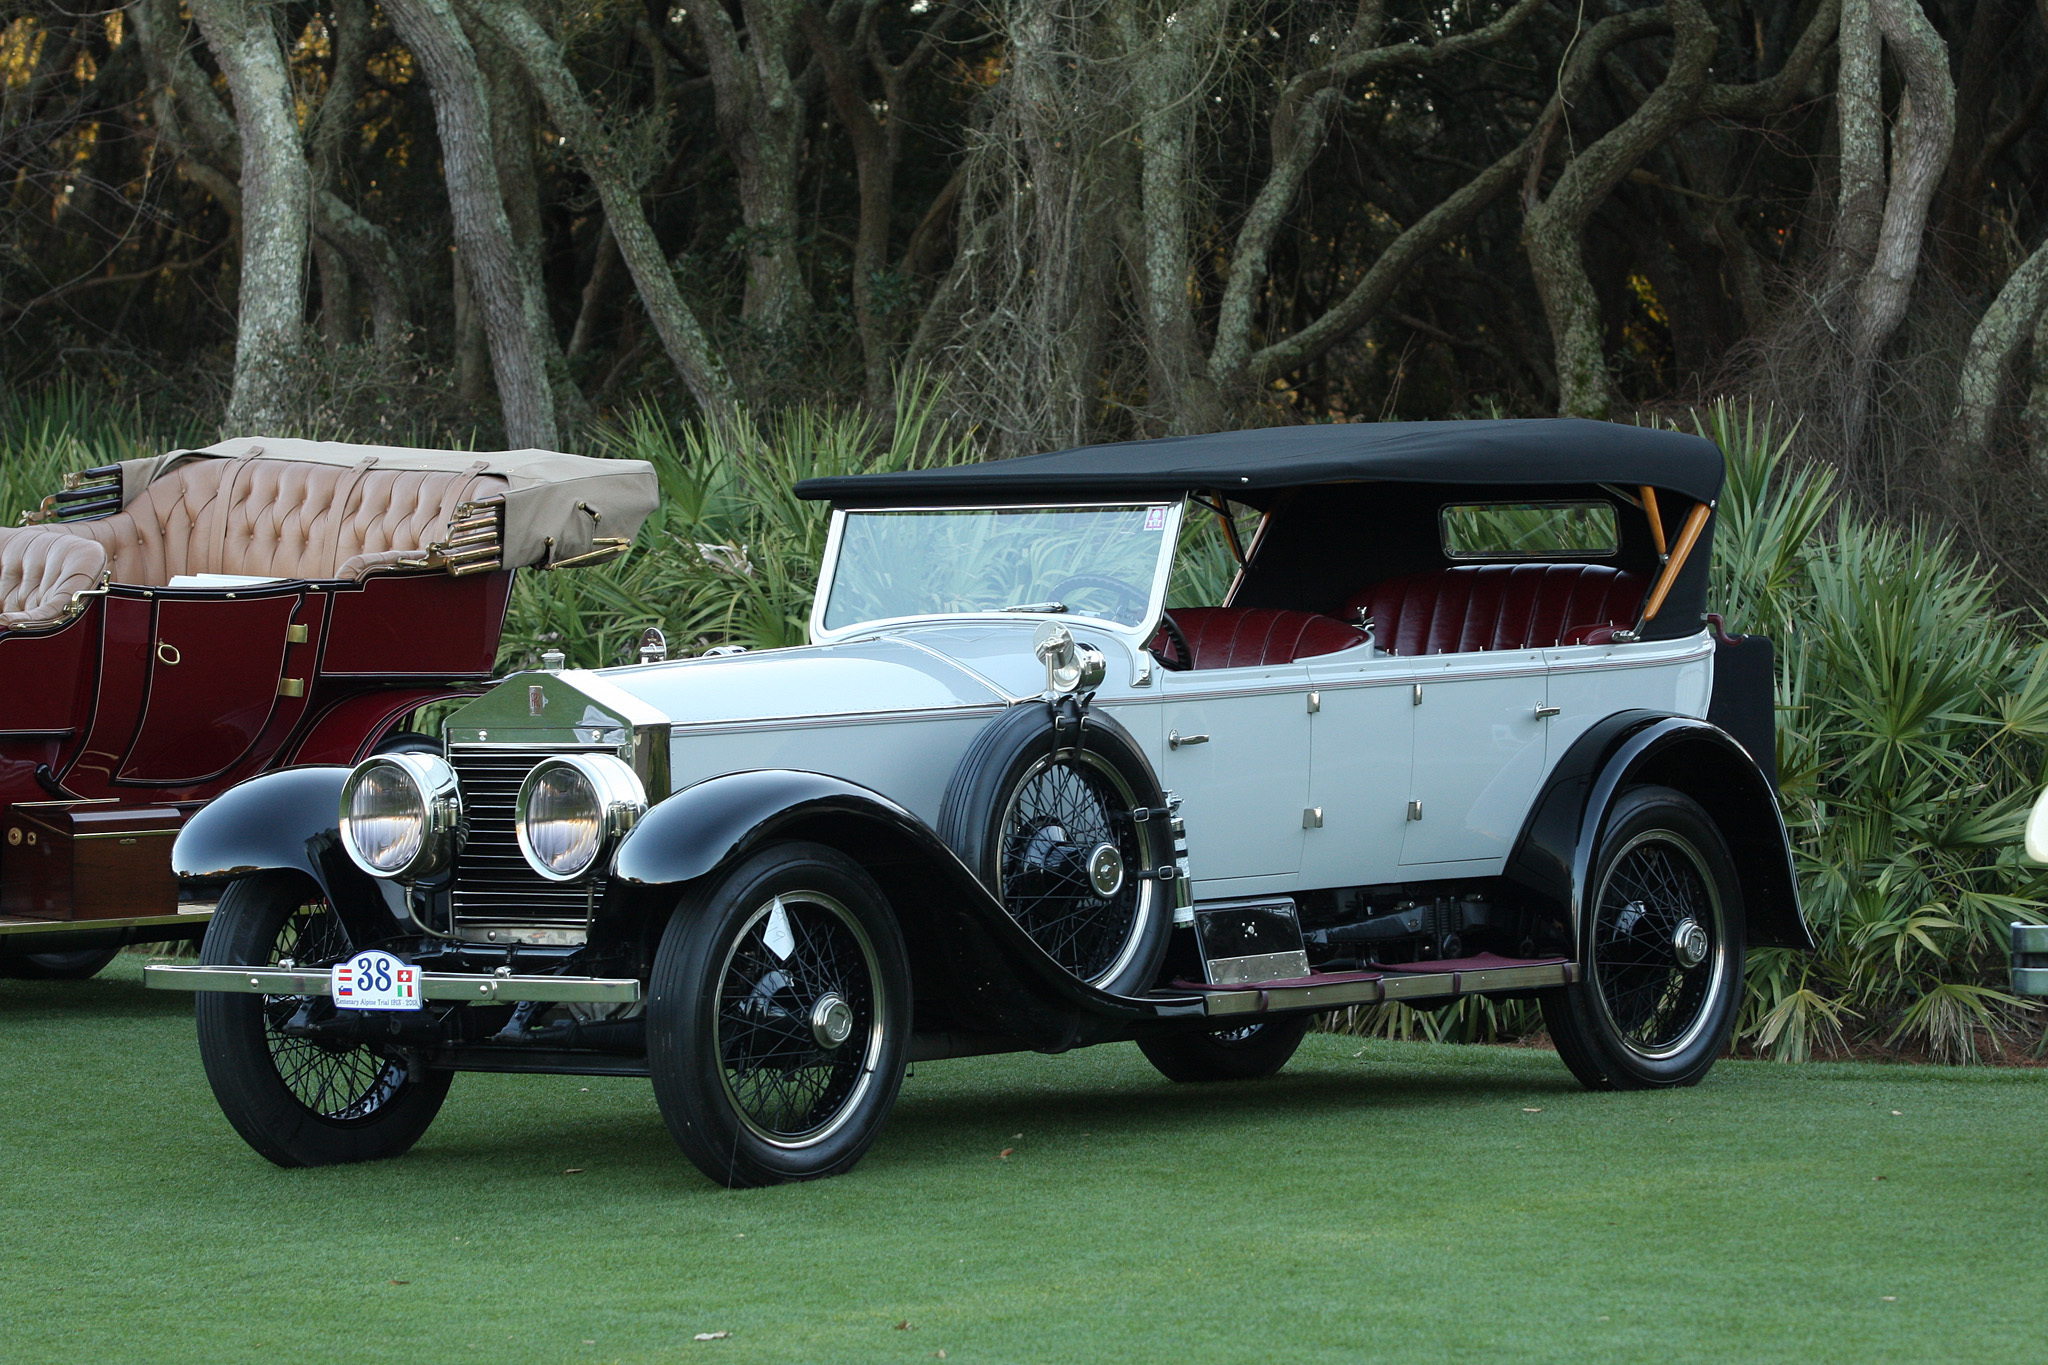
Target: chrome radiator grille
point(493, 882)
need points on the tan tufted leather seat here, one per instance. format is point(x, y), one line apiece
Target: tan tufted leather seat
point(41, 570)
point(278, 519)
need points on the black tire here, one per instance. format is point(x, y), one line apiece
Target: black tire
point(1649, 1013)
point(298, 1102)
point(740, 1017)
point(1248, 1052)
point(72, 966)
point(1029, 820)
point(408, 742)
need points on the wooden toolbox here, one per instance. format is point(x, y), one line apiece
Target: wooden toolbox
point(65, 860)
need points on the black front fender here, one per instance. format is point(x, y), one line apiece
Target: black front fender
point(1554, 856)
point(965, 948)
point(287, 820)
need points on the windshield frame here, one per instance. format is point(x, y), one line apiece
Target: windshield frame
point(1162, 572)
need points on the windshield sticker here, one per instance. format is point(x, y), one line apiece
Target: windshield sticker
point(1155, 518)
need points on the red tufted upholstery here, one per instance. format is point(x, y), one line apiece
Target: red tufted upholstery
point(1238, 637)
point(1498, 606)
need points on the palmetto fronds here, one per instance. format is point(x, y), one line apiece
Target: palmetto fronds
point(1912, 715)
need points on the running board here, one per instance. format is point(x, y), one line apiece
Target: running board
point(560, 990)
point(195, 918)
point(1339, 989)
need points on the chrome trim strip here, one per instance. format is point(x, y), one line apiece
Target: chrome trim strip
point(199, 915)
point(1392, 986)
point(1636, 656)
point(433, 985)
point(715, 727)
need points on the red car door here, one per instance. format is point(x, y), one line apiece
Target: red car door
point(215, 666)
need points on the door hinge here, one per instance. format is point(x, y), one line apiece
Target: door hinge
point(291, 687)
point(1315, 702)
point(1312, 818)
point(1415, 697)
point(297, 634)
point(1414, 810)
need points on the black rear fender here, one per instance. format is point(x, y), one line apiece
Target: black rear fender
point(972, 966)
point(290, 821)
point(1554, 856)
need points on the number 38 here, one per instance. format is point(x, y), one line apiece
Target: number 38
point(372, 974)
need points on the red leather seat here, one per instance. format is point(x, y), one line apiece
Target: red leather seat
point(1239, 637)
point(1499, 606)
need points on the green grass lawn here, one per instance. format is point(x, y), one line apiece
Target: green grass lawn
point(1382, 1201)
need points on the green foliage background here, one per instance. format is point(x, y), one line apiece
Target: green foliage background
point(1912, 724)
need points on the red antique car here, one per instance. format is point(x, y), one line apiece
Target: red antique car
point(171, 626)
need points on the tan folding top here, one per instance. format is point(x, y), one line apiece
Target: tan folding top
point(557, 506)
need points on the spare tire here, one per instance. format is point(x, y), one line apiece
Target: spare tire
point(1054, 830)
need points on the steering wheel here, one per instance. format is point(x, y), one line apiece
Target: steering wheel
point(1183, 655)
point(1126, 595)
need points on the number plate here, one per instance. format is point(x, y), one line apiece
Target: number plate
point(375, 980)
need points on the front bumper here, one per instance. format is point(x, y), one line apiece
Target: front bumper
point(2030, 959)
point(560, 990)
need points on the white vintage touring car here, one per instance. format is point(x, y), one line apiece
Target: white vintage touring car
point(1461, 725)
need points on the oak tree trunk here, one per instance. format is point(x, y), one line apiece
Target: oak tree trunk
point(514, 320)
point(2006, 325)
point(688, 348)
point(1921, 142)
point(761, 113)
point(276, 195)
point(1553, 230)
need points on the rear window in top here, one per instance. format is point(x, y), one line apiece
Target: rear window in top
point(1529, 530)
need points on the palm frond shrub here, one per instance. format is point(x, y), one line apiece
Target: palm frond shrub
point(1912, 720)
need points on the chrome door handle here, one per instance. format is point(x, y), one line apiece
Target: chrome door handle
point(1175, 739)
point(1546, 712)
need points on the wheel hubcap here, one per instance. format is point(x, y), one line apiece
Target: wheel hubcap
point(831, 1020)
point(1689, 943)
point(1106, 870)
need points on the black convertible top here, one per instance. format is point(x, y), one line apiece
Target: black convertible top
point(1562, 450)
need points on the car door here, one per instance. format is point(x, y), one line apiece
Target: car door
point(1588, 683)
point(216, 673)
point(1236, 752)
point(1363, 738)
point(1480, 753)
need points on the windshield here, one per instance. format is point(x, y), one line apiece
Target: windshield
point(1107, 563)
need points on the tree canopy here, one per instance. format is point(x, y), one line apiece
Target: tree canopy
point(1090, 218)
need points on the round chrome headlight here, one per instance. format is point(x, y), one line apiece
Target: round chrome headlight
point(399, 813)
point(571, 811)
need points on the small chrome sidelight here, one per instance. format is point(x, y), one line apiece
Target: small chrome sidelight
point(573, 809)
point(399, 813)
point(1069, 666)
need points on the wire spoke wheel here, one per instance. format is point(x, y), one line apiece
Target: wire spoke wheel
point(334, 1081)
point(296, 1096)
point(1659, 947)
point(1071, 863)
point(778, 1017)
point(798, 1028)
